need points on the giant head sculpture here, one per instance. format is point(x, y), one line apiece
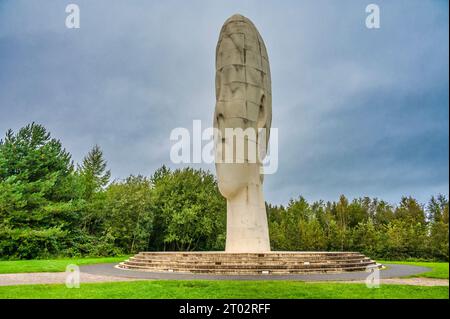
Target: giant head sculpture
point(243, 116)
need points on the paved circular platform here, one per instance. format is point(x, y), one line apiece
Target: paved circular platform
point(245, 263)
point(391, 271)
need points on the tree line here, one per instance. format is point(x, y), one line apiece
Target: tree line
point(51, 207)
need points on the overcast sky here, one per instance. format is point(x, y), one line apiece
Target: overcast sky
point(360, 112)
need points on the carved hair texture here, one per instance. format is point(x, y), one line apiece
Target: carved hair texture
point(243, 83)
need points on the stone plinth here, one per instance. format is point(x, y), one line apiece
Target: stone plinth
point(249, 263)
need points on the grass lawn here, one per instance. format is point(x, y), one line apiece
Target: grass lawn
point(223, 289)
point(210, 289)
point(439, 269)
point(52, 265)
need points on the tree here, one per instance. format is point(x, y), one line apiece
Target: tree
point(128, 214)
point(410, 210)
point(366, 238)
point(275, 216)
point(38, 203)
point(92, 177)
point(438, 209)
point(342, 217)
point(438, 217)
point(384, 214)
point(93, 172)
point(189, 211)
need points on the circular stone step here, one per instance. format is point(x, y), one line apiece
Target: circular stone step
point(249, 263)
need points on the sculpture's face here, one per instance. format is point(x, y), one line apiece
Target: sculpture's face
point(243, 101)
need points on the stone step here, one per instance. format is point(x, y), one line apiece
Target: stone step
point(248, 263)
point(247, 266)
point(240, 262)
point(245, 258)
point(242, 255)
point(247, 271)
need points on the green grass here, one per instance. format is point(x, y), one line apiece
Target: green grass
point(223, 289)
point(211, 289)
point(52, 265)
point(439, 270)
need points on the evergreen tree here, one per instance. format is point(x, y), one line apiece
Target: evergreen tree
point(411, 211)
point(93, 172)
point(38, 204)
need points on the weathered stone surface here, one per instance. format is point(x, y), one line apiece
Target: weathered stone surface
point(243, 100)
point(249, 263)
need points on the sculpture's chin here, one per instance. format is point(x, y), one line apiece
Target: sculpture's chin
point(229, 189)
point(232, 178)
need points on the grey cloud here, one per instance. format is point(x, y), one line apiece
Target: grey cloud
point(359, 112)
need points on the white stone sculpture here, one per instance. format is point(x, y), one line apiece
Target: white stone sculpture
point(243, 101)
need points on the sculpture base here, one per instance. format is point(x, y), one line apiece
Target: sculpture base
point(249, 263)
